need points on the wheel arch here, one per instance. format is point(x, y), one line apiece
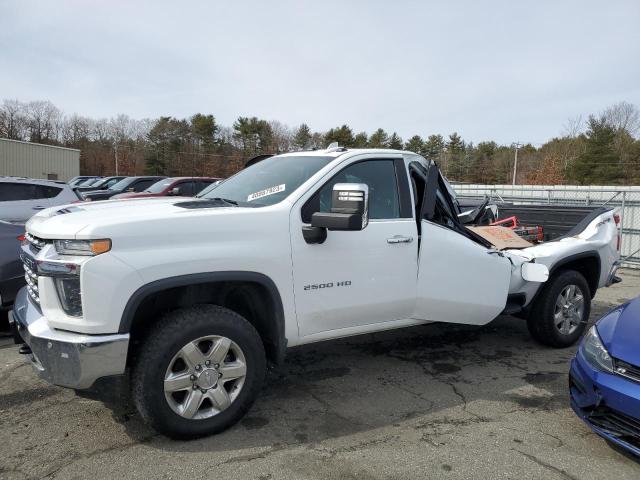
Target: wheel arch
point(586, 263)
point(251, 294)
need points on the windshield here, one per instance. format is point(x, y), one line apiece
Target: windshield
point(159, 187)
point(122, 184)
point(93, 182)
point(108, 183)
point(207, 189)
point(269, 181)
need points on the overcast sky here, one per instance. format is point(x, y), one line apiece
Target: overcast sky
point(502, 70)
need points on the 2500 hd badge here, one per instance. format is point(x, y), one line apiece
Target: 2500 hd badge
point(318, 286)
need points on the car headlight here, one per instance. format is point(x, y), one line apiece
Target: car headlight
point(594, 351)
point(82, 247)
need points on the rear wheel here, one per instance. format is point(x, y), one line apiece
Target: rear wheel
point(560, 313)
point(198, 372)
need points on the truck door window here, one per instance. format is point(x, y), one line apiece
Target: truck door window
point(379, 175)
point(443, 214)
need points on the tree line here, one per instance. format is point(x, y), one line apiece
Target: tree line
point(602, 149)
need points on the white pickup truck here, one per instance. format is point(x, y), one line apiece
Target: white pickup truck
point(192, 297)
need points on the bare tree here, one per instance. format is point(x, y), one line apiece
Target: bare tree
point(100, 130)
point(12, 120)
point(281, 140)
point(573, 126)
point(75, 130)
point(43, 121)
point(623, 116)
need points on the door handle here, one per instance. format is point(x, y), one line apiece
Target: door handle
point(399, 239)
point(38, 208)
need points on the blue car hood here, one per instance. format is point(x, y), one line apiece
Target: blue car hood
point(620, 332)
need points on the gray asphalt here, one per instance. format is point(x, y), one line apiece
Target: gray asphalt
point(437, 401)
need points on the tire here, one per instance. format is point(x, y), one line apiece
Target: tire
point(543, 319)
point(199, 405)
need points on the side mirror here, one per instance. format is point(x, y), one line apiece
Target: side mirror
point(349, 212)
point(174, 191)
point(130, 189)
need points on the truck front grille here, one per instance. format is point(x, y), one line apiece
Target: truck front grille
point(32, 282)
point(35, 243)
point(627, 370)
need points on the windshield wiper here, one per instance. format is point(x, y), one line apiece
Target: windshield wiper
point(223, 200)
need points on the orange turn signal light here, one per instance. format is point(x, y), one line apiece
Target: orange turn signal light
point(100, 246)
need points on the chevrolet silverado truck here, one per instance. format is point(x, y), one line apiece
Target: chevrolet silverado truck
point(191, 298)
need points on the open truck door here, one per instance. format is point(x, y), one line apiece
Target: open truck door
point(461, 279)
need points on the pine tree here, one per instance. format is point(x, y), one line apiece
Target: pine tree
point(599, 162)
point(343, 135)
point(433, 147)
point(302, 137)
point(453, 164)
point(379, 139)
point(361, 139)
point(415, 144)
point(395, 142)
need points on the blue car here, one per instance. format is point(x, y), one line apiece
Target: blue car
point(605, 377)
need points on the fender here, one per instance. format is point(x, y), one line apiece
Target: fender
point(579, 256)
point(143, 292)
point(566, 261)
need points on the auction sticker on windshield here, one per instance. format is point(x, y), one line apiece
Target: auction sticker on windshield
point(266, 192)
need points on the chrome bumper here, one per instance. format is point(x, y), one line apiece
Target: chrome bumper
point(63, 358)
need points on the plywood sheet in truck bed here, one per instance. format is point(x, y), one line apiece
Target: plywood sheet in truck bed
point(501, 237)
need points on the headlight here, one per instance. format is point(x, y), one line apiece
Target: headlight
point(82, 247)
point(69, 295)
point(595, 353)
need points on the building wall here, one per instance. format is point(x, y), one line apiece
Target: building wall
point(33, 160)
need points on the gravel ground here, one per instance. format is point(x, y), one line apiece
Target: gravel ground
point(436, 401)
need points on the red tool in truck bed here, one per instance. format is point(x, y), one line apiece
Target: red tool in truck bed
point(531, 233)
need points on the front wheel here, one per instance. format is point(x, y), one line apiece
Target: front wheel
point(560, 313)
point(198, 372)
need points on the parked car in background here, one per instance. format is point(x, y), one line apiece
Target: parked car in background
point(20, 198)
point(99, 184)
point(128, 184)
point(89, 182)
point(75, 181)
point(176, 186)
point(605, 377)
point(11, 270)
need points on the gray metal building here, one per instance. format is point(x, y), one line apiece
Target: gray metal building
point(34, 160)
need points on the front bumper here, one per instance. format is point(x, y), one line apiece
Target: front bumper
point(608, 404)
point(64, 358)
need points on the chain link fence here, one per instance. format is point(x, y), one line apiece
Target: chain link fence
point(626, 199)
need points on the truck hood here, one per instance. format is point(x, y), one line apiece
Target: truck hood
point(620, 332)
point(84, 220)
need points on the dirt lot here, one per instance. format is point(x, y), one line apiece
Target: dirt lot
point(437, 401)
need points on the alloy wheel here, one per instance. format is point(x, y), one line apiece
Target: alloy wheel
point(205, 377)
point(569, 309)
